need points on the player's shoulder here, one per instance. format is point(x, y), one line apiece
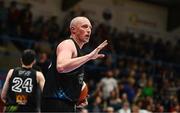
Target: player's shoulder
point(11, 70)
point(64, 43)
point(39, 73)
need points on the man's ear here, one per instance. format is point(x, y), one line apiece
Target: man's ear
point(73, 30)
point(34, 62)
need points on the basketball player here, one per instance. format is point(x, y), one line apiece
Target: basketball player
point(65, 76)
point(20, 88)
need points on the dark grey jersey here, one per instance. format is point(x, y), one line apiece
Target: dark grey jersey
point(63, 86)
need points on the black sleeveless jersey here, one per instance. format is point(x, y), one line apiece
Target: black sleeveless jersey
point(63, 86)
point(22, 89)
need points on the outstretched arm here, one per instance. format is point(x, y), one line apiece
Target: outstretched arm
point(66, 51)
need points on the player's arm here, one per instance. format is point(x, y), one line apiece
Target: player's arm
point(40, 79)
point(65, 53)
point(6, 85)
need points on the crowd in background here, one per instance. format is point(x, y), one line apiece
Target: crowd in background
point(138, 73)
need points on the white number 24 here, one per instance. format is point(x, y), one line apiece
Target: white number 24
point(19, 84)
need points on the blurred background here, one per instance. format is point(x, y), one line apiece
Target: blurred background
point(141, 71)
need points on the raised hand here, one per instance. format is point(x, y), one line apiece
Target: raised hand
point(95, 53)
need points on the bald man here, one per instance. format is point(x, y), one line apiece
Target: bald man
point(64, 80)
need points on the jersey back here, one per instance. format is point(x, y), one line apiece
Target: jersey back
point(22, 89)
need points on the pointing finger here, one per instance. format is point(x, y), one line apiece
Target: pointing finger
point(102, 44)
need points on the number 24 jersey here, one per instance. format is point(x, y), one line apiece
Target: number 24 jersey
point(22, 87)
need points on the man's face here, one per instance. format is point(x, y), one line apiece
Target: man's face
point(83, 30)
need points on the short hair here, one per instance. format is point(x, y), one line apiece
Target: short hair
point(28, 56)
point(75, 20)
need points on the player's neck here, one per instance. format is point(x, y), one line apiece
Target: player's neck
point(79, 43)
point(27, 67)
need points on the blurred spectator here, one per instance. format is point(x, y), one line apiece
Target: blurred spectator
point(13, 19)
point(108, 62)
point(125, 108)
point(43, 62)
point(130, 89)
point(109, 110)
point(148, 90)
point(159, 108)
point(124, 97)
point(44, 33)
point(53, 29)
point(37, 27)
point(136, 109)
point(66, 21)
point(142, 80)
point(114, 100)
point(3, 17)
point(96, 106)
point(108, 84)
point(26, 21)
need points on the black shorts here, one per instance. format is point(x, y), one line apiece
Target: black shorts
point(54, 105)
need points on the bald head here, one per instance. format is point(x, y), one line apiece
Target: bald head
point(75, 21)
point(80, 28)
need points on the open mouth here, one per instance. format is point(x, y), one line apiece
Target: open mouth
point(87, 35)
